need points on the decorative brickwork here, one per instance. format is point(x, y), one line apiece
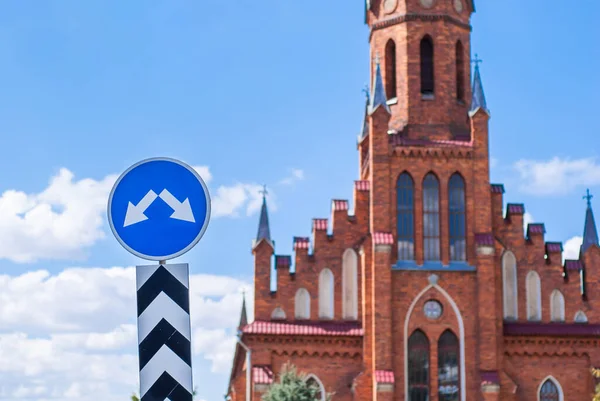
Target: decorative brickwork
point(428, 275)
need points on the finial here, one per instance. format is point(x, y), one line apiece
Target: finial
point(264, 191)
point(476, 60)
point(365, 90)
point(588, 197)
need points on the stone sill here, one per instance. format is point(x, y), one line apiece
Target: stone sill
point(427, 96)
point(433, 266)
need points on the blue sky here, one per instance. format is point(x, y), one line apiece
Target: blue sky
point(253, 92)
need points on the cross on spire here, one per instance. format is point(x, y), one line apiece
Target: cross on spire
point(477, 60)
point(365, 90)
point(264, 191)
point(588, 197)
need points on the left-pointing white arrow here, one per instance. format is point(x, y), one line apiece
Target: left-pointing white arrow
point(181, 210)
point(135, 213)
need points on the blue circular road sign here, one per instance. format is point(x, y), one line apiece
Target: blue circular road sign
point(159, 208)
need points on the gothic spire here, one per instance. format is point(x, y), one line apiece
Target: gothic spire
point(263, 224)
point(378, 98)
point(590, 233)
point(243, 316)
point(478, 100)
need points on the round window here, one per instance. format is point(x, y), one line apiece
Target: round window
point(433, 309)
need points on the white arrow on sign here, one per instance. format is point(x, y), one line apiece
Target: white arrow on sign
point(135, 214)
point(181, 210)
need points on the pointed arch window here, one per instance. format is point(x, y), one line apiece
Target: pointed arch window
point(427, 72)
point(549, 391)
point(534, 296)
point(448, 367)
point(509, 286)
point(278, 314)
point(431, 218)
point(405, 189)
point(326, 295)
point(557, 306)
point(350, 285)
point(580, 317)
point(302, 304)
point(314, 382)
point(460, 71)
point(390, 69)
point(456, 215)
point(418, 367)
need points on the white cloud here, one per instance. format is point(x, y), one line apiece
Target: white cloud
point(527, 218)
point(68, 216)
point(571, 248)
point(57, 223)
point(295, 175)
point(73, 334)
point(557, 176)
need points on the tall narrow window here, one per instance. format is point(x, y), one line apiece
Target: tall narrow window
point(326, 294)
point(406, 230)
point(431, 218)
point(427, 72)
point(549, 391)
point(418, 367)
point(302, 304)
point(509, 286)
point(460, 71)
point(390, 69)
point(557, 306)
point(448, 367)
point(350, 285)
point(534, 296)
point(456, 215)
point(317, 386)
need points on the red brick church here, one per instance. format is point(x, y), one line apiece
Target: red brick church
point(426, 287)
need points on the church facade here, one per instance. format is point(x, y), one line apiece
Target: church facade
point(429, 288)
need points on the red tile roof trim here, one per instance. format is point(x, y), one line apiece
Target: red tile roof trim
point(283, 261)
point(339, 205)
point(301, 242)
point(262, 375)
point(573, 264)
point(384, 376)
point(363, 185)
point(551, 329)
point(497, 188)
point(515, 208)
point(484, 239)
point(351, 329)
point(383, 238)
point(552, 247)
point(320, 224)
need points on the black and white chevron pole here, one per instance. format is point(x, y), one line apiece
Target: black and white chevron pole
point(164, 332)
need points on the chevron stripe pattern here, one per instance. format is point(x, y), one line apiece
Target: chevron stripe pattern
point(164, 332)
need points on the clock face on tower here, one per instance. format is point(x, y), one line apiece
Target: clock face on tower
point(427, 3)
point(458, 6)
point(389, 5)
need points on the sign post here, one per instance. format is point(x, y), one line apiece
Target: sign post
point(158, 210)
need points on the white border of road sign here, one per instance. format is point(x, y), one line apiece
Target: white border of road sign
point(198, 237)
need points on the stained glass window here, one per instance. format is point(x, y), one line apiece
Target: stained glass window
point(549, 391)
point(456, 205)
point(418, 367)
point(431, 218)
point(405, 201)
point(448, 367)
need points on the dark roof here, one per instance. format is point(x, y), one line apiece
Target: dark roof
point(590, 232)
point(264, 231)
point(484, 239)
point(478, 99)
point(498, 188)
point(378, 99)
point(551, 329)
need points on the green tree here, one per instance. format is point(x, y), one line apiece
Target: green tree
point(293, 386)
point(596, 374)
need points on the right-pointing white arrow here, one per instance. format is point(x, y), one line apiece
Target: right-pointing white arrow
point(135, 213)
point(181, 210)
